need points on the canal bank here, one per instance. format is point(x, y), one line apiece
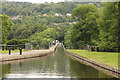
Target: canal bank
point(107, 69)
point(26, 55)
point(57, 66)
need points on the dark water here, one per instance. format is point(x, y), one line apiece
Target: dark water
point(57, 65)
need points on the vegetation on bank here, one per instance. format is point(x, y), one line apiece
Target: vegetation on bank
point(37, 23)
point(94, 24)
point(108, 58)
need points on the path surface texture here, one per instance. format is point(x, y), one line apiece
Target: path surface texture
point(29, 54)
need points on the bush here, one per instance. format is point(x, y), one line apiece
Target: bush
point(16, 42)
point(37, 47)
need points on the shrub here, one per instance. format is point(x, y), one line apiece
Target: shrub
point(16, 42)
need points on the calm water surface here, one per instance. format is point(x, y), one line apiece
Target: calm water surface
point(57, 65)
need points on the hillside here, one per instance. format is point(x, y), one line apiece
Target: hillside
point(31, 21)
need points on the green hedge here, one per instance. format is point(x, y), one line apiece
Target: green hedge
point(16, 41)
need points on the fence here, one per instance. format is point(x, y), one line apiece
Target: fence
point(12, 47)
point(96, 48)
point(91, 48)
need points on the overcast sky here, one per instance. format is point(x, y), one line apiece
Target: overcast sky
point(55, 1)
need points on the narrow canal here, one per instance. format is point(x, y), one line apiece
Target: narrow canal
point(57, 65)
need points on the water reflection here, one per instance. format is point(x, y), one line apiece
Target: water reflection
point(6, 69)
point(57, 65)
point(83, 71)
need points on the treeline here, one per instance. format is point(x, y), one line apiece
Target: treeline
point(91, 23)
point(34, 33)
point(31, 17)
point(95, 26)
point(26, 8)
point(29, 23)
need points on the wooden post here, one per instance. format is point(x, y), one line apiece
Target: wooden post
point(97, 49)
point(9, 51)
point(92, 48)
point(2, 48)
point(20, 51)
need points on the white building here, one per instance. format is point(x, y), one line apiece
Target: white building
point(16, 17)
point(58, 14)
point(68, 14)
point(55, 24)
point(44, 14)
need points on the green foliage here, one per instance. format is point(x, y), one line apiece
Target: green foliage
point(96, 24)
point(24, 31)
point(43, 38)
point(7, 26)
point(108, 26)
point(16, 41)
point(24, 8)
point(86, 30)
point(61, 29)
point(33, 22)
point(68, 42)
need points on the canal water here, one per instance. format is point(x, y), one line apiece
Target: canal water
point(57, 65)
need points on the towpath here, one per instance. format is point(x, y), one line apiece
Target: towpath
point(29, 54)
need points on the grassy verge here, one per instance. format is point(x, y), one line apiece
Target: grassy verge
point(108, 58)
point(12, 51)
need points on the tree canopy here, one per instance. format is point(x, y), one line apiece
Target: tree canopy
point(90, 23)
point(108, 26)
point(95, 26)
point(7, 26)
point(85, 31)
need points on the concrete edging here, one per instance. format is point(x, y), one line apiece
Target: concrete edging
point(107, 69)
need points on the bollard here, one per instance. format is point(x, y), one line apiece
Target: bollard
point(2, 48)
point(13, 49)
point(20, 51)
point(91, 48)
point(97, 49)
point(9, 51)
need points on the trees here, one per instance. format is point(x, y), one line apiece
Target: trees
point(68, 43)
point(16, 41)
point(20, 8)
point(95, 28)
point(85, 31)
point(108, 26)
point(7, 26)
point(43, 38)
